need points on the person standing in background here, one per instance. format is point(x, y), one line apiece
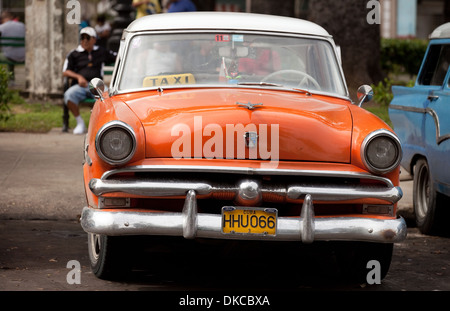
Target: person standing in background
point(180, 6)
point(103, 29)
point(146, 7)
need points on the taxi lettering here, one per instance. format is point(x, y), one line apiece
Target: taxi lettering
point(180, 79)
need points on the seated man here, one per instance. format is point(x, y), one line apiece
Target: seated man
point(82, 65)
point(12, 28)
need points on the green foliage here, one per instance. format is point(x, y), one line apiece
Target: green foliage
point(8, 97)
point(383, 90)
point(383, 96)
point(5, 94)
point(38, 117)
point(399, 57)
point(402, 56)
point(16, 115)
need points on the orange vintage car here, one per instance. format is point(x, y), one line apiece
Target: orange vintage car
point(236, 126)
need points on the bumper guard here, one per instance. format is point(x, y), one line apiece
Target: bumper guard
point(190, 224)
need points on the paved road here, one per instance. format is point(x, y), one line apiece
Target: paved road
point(41, 175)
point(41, 198)
point(34, 256)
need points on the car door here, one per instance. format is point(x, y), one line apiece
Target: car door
point(436, 126)
point(437, 135)
point(408, 109)
point(421, 118)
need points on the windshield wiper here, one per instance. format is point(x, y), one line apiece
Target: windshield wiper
point(303, 91)
point(274, 84)
point(261, 84)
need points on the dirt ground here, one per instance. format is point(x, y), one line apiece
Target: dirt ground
point(34, 255)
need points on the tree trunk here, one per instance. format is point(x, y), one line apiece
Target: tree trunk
point(205, 5)
point(446, 11)
point(347, 22)
point(282, 8)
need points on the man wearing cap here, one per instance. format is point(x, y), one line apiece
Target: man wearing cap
point(82, 65)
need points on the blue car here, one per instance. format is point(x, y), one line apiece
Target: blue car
point(421, 119)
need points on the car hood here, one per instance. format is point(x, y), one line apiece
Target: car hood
point(248, 123)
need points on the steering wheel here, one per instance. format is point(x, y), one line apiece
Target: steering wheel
point(303, 81)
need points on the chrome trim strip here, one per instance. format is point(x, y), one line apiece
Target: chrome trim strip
point(172, 188)
point(209, 226)
point(148, 188)
point(406, 108)
point(343, 193)
point(244, 171)
point(221, 86)
point(439, 138)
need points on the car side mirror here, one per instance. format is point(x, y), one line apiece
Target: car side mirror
point(364, 94)
point(97, 87)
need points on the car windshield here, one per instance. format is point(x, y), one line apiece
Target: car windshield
point(206, 59)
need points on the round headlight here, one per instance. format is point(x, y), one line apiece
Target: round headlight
point(381, 151)
point(115, 143)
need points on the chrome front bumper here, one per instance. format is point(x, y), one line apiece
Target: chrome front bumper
point(190, 224)
point(248, 191)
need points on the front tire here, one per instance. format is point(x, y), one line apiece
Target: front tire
point(353, 259)
point(109, 256)
point(424, 198)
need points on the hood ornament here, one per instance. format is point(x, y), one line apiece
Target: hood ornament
point(249, 105)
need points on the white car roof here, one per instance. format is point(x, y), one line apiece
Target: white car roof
point(441, 32)
point(226, 21)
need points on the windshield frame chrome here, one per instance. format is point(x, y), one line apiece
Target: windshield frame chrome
point(128, 36)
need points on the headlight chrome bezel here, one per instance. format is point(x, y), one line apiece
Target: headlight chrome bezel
point(370, 139)
point(105, 129)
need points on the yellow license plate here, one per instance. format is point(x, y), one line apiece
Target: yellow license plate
point(249, 220)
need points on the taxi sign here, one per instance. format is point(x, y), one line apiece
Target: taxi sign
point(178, 79)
